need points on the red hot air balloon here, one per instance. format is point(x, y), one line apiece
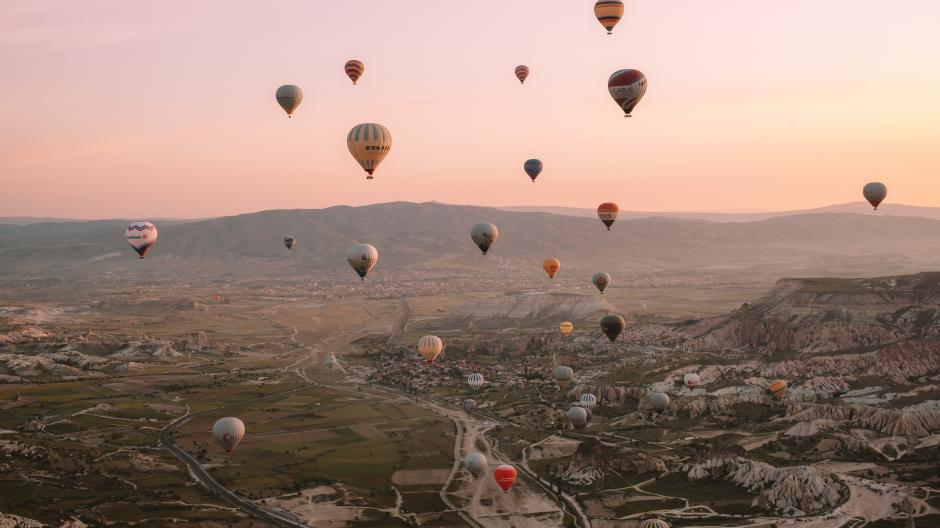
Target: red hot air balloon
point(627, 87)
point(505, 476)
point(522, 71)
point(354, 69)
point(607, 212)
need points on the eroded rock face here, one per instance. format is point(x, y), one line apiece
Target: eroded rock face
point(909, 423)
point(532, 306)
point(791, 491)
point(826, 315)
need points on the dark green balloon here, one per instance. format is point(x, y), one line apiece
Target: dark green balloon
point(612, 325)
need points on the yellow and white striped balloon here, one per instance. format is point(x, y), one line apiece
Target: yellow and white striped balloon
point(369, 143)
point(430, 347)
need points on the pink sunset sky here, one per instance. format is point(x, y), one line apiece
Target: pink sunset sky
point(151, 109)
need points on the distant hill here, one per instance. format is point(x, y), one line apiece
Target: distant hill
point(434, 238)
point(887, 209)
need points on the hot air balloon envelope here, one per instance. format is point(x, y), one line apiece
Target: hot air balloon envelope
point(505, 476)
point(533, 168)
point(627, 87)
point(551, 267)
point(354, 69)
point(289, 97)
point(228, 432)
point(369, 143)
point(141, 236)
point(875, 193)
point(608, 13)
point(612, 325)
point(484, 235)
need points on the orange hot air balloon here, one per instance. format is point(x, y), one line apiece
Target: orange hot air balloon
point(607, 212)
point(505, 476)
point(551, 266)
point(778, 389)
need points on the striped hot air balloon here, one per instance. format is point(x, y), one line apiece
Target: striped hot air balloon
point(522, 72)
point(627, 87)
point(778, 389)
point(654, 523)
point(608, 13)
point(228, 432)
point(588, 401)
point(430, 347)
point(369, 143)
point(355, 69)
point(475, 380)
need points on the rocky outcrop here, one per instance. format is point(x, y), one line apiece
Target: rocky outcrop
point(792, 491)
point(530, 307)
point(826, 315)
point(909, 423)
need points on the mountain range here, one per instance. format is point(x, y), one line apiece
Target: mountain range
point(434, 238)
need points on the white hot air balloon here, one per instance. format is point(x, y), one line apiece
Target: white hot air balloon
point(691, 380)
point(476, 464)
point(141, 236)
point(228, 432)
point(659, 401)
point(430, 347)
point(362, 258)
point(475, 380)
point(588, 401)
point(578, 417)
point(484, 235)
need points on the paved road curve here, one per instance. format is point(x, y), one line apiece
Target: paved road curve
point(205, 479)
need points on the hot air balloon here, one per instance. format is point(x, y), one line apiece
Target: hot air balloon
point(505, 476)
point(778, 389)
point(355, 69)
point(430, 347)
point(654, 523)
point(289, 97)
point(691, 380)
point(601, 280)
point(659, 401)
point(551, 266)
point(228, 432)
point(875, 193)
point(608, 13)
point(533, 168)
point(522, 71)
point(475, 380)
point(566, 328)
point(607, 212)
point(484, 235)
point(577, 416)
point(469, 405)
point(141, 236)
point(476, 464)
point(627, 87)
point(330, 361)
point(289, 243)
point(588, 401)
point(563, 376)
point(362, 258)
point(369, 143)
point(612, 325)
